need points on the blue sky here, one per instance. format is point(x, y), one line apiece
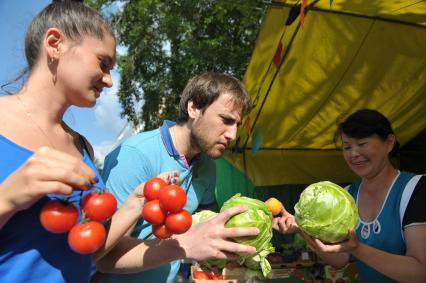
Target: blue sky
point(100, 124)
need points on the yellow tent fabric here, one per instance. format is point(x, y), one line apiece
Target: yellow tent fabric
point(303, 81)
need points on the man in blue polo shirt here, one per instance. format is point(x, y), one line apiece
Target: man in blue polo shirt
point(211, 107)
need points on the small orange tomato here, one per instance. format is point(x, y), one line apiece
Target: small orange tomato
point(274, 206)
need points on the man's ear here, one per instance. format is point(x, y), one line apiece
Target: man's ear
point(53, 39)
point(193, 110)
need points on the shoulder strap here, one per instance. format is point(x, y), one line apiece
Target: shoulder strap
point(406, 195)
point(86, 145)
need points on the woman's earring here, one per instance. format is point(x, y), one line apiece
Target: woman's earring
point(50, 63)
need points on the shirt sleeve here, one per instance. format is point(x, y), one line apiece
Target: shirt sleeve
point(124, 169)
point(416, 209)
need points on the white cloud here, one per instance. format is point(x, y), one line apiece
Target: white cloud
point(102, 149)
point(107, 111)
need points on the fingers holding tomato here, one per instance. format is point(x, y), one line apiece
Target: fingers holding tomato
point(164, 210)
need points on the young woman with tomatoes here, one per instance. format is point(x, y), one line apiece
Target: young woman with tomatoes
point(46, 167)
point(211, 107)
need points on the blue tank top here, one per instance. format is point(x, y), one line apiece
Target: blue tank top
point(384, 232)
point(29, 253)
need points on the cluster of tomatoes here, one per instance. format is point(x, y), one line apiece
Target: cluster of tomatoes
point(164, 209)
point(59, 216)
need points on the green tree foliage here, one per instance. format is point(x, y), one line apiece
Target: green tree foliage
point(168, 42)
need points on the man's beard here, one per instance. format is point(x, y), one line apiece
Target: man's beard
point(200, 145)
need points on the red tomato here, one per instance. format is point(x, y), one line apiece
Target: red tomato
point(152, 188)
point(213, 275)
point(153, 212)
point(58, 216)
point(173, 198)
point(179, 222)
point(161, 231)
point(86, 238)
point(99, 206)
point(200, 275)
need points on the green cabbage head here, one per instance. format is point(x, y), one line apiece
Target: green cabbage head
point(257, 215)
point(326, 211)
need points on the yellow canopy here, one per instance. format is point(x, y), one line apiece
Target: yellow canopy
point(304, 80)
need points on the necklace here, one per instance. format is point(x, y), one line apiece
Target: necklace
point(28, 114)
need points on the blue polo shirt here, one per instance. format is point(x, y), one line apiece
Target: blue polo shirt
point(142, 157)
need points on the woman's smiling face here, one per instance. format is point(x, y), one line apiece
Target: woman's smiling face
point(367, 156)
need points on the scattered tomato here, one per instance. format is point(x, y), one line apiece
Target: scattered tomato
point(99, 206)
point(161, 231)
point(200, 275)
point(153, 212)
point(152, 188)
point(179, 222)
point(58, 216)
point(212, 275)
point(173, 198)
point(86, 238)
point(274, 206)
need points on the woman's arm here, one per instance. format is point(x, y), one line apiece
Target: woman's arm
point(407, 268)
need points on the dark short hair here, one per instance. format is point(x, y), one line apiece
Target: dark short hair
point(204, 89)
point(366, 123)
point(73, 18)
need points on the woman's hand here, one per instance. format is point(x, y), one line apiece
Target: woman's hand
point(210, 239)
point(285, 223)
point(347, 246)
point(47, 171)
point(137, 197)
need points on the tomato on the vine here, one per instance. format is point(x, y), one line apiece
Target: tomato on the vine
point(99, 206)
point(152, 188)
point(161, 231)
point(153, 212)
point(173, 198)
point(200, 275)
point(58, 216)
point(86, 238)
point(179, 222)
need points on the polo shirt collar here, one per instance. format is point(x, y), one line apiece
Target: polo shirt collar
point(167, 138)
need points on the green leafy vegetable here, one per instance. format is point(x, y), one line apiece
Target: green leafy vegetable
point(326, 211)
point(257, 215)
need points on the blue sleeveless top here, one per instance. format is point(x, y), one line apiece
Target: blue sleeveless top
point(384, 232)
point(29, 253)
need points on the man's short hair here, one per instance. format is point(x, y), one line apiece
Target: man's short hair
point(204, 89)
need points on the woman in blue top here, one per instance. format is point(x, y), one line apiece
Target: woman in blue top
point(389, 241)
point(70, 51)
